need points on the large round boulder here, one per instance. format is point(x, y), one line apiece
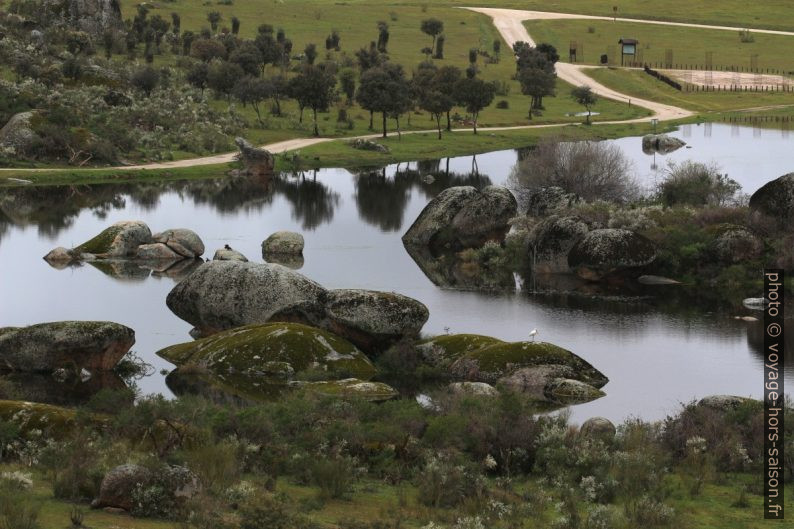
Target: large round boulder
point(598, 428)
point(463, 217)
point(182, 241)
point(374, 320)
point(119, 484)
point(273, 350)
point(45, 347)
point(17, 133)
point(776, 199)
point(736, 244)
point(121, 240)
point(283, 243)
point(551, 240)
point(157, 252)
point(602, 252)
point(224, 294)
point(549, 200)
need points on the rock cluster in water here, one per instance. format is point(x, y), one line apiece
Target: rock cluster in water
point(660, 143)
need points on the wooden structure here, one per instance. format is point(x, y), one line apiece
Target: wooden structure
point(628, 47)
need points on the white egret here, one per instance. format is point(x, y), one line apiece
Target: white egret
point(533, 333)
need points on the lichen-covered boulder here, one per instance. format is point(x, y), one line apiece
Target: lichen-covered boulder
point(569, 391)
point(18, 133)
point(352, 387)
point(182, 241)
point(44, 421)
point(227, 254)
point(475, 389)
point(157, 252)
point(472, 357)
point(550, 200)
point(121, 240)
point(74, 345)
point(661, 143)
point(373, 320)
point(724, 403)
point(598, 428)
point(91, 16)
point(60, 255)
point(256, 161)
point(551, 240)
point(224, 294)
point(776, 199)
point(602, 252)
point(273, 350)
point(283, 243)
point(119, 484)
point(463, 217)
point(736, 244)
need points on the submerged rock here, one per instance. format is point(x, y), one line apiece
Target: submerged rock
point(776, 199)
point(551, 240)
point(374, 320)
point(74, 345)
point(605, 251)
point(224, 294)
point(661, 143)
point(182, 241)
point(273, 350)
point(283, 243)
point(227, 254)
point(463, 217)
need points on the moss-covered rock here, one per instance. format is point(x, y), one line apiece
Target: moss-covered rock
point(42, 420)
point(551, 240)
point(119, 240)
point(352, 387)
point(528, 367)
point(274, 351)
point(73, 345)
point(776, 199)
point(569, 391)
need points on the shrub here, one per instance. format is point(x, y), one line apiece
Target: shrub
point(334, 475)
point(696, 184)
point(218, 465)
point(17, 511)
point(503, 104)
point(443, 483)
point(591, 170)
point(273, 513)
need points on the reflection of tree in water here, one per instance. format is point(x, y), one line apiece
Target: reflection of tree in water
point(230, 194)
point(313, 202)
point(382, 200)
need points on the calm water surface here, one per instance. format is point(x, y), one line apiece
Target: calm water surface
point(657, 353)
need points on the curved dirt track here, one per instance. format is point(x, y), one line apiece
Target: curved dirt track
point(509, 24)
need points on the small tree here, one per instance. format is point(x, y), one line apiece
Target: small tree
point(207, 50)
point(222, 76)
point(176, 22)
point(433, 27)
point(332, 41)
point(475, 94)
point(248, 57)
point(347, 82)
point(310, 53)
point(497, 48)
point(145, 80)
point(197, 75)
point(384, 89)
point(536, 83)
point(235, 26)
point(253, 90)
point(429, 90)
point(383, 37)
point(108, 40)
point(439, 54)
point(446, 80)
point(315, 88)
point(473, 52)
point(584, 96)
point(214, 18)
point(187, 42)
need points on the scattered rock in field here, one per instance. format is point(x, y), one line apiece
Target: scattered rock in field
point(369, 145)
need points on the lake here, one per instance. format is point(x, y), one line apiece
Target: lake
point(656, 352)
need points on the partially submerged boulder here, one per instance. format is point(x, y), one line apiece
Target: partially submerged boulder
point(374, 320)
point(551, 240)
point(273, 350)
point(606, 251)
point(121, 240)
point(463, 217)
point(224, 294)
point(776, 199)
point(660, 143)
point(74, 345)
point(538, 369)
point(283, 243)
point(352, 387)
point(157, 252)
point(227, 254)
point(256, 161)
point(182, 241)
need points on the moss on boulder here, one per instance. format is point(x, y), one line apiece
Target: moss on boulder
point(352, 387)
point(34, 419)
point(273, 350)
point(119, 240)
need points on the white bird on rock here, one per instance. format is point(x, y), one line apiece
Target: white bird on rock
point(533, 333)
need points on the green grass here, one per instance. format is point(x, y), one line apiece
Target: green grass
point(689, 45)
point(639, 84)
